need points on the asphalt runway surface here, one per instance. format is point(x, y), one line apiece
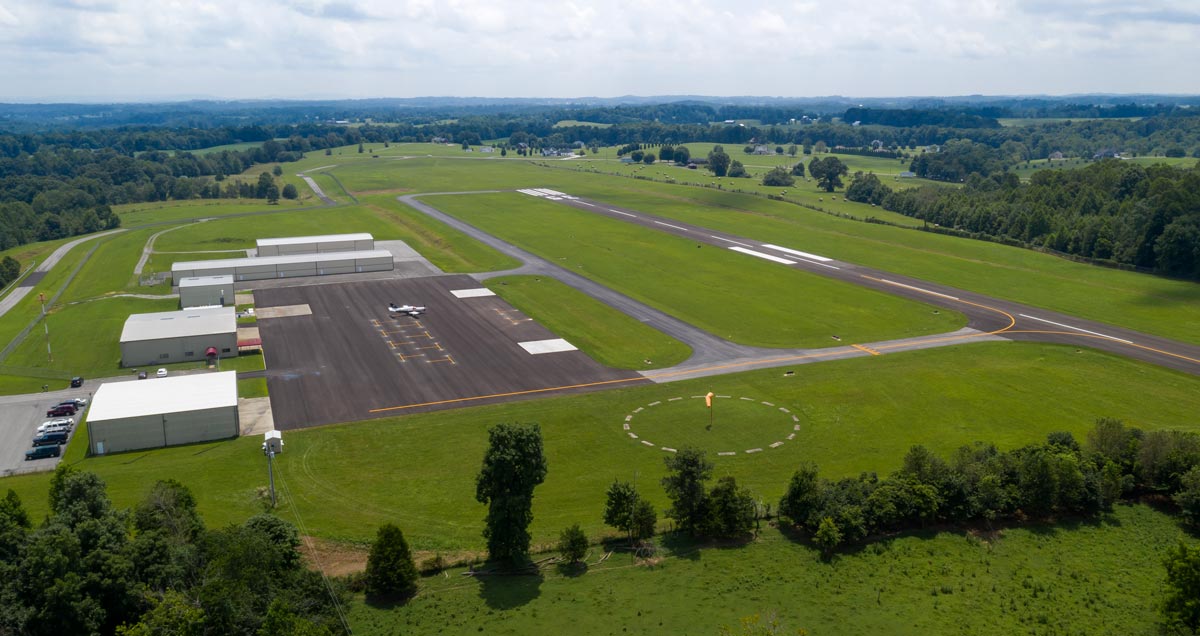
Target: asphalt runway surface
point(350, 360)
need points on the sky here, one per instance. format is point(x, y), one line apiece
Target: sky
point(142, 50)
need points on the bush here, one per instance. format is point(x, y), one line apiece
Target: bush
point(390, 569)
point(572, 544)
point(778, 176)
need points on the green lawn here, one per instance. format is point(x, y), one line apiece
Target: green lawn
point(447, 248)
point(775, 306)
point(111, 267)
point(1104, 577)
point(84, 337)
point(252, 388)
point(565, 123)
point(241, 232)
point(17, 384)
point(855, 415)
point(137, 214)
point(607, 335)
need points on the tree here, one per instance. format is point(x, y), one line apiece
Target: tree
point(718, 161)
point(10, 269)
point(289, 191)
point(265, 180)
point(791, 150)
point(1181, 607)
point(572, 544)
point(277, 170)
point(827, 537)
point(637, 156)
point(779, 150)
point(687, 470)
point(648, 158)
point(819, 148)
point(642, 521)
point(360, 148)
point(778, 176)
point(803, 495)
point(172, 615)
point(391, 572)
point(619, 507)
point(273, 194)
point(798, 169)
point(504, 152)
point(731, 510)
point(682, 155)
point(512, 466)
point(1188, 497)
point(737, 170)
point(828, 172)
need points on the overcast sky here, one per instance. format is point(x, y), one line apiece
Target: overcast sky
point(97, 50)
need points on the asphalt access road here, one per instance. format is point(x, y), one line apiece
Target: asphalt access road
point(998, 317)
point(23, 289)
point(350, 360)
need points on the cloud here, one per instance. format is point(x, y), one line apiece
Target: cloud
point(125, 49)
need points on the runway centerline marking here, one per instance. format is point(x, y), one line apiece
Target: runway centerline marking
point(674, 227)
point(722, 238)
point(865, 349)
point(1059, 324)
point(923, 291)
point(620, 212)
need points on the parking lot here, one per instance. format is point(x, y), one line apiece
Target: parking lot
point(20, 416)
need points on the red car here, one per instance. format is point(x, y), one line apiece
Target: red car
point(61, 410)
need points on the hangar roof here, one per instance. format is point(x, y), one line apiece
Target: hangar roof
point(323, 238)
point(278, 260)
point(178, 394)
point(199, 321)
point(207, 281)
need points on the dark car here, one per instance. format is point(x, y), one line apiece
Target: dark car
point(47, 439)
point(76, 382)
point(61, 410)
point(78, 403)
point(42, 452)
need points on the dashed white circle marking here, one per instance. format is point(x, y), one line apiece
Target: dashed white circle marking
point(627, 425)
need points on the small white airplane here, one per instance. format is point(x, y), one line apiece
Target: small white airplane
point(411, 310)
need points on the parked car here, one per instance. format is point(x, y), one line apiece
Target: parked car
point(65, 423)
point(46, 439)
point(78, 402)
point(72, 403)
point(162, 373)
point(43, 452)
point(141, 375)
point(76, 382)
point(54, 428)
point(61, 410)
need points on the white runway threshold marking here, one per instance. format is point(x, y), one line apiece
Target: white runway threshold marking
point(769, 257)
point(788, 250)
point(532, 193)
point(923, 291)
point(1059, 324)
point(472, 293)
point(555, 345)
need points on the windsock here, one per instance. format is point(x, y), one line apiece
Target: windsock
point(708, 400)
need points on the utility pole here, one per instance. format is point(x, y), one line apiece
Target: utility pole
point(272, 444)
point(46, 327)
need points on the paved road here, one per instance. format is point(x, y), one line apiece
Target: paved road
point(711, 355)
point(316, 188)
point(36, 276)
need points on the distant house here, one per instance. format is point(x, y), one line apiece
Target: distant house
point(487, 149)
point(876, 144)
point(626, 160)
point(438, 140)
point(1107, 153)
point(908, 174)
point(763, 150)
point(933, 148)
point(1056, 156)
point(856, 123)
point(730, 121)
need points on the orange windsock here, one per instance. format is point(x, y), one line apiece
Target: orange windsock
point(708, 400)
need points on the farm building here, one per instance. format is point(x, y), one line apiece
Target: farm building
point(205, 291)
point(179, 336)
point(288, 266)
point(361, 242)
point(162, 412)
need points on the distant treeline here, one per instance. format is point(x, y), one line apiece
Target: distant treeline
point(1113, 211)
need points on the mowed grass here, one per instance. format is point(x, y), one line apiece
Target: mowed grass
point(241, 232)
point(17, 384)
point(137, 214)
point(1095, 578)
point(855, 415)
point(252, 388)
point(734, 296)
point(111, 268)
point(607, 335)
point(84, 337)
point(447, 248)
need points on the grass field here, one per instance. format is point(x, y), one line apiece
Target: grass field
point(138, 214)
point(1029, 168)
point(775, 306)
point(252, 388)
point(447, 248)
point(1102, 577)
point(575, 122)
point(17, 384)
point(856, 415)
point(241, 232)
point(607, 335)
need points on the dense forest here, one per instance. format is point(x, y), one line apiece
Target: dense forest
point(91, 569)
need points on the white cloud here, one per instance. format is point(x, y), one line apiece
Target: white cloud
point(130, 49)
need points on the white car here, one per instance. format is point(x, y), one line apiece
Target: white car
point(161, 373)
point(57, 422)
point(54, 428)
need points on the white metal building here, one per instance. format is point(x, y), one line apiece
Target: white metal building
point(265, 267)
point(361, 242)
point(205, 291)
point(184, 409)
point(179, 336)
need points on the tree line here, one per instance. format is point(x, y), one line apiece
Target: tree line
point(90, 569)
point(1109, 211)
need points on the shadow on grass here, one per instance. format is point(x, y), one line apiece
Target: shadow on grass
point(681, 545)
point(572, 570)
point(387, 602)
point(509, 591)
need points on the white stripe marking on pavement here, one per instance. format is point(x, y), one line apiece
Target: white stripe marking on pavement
point(769, 257)
point(671, 226)
point(1059, 324)
point(788, 250)
point(620, 212)
point(923, 291)
point(721, 238)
